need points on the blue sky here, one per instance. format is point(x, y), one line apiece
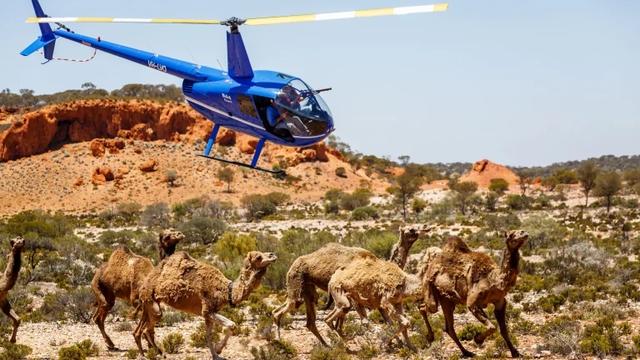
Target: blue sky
point(518, 82)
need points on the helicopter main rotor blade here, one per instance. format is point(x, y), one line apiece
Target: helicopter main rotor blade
point(269, 20)
point(121, 20)
point(404, 10)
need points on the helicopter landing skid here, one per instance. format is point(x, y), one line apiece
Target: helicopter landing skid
point(279, 173)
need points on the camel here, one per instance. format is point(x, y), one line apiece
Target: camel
point(314, 270)
point(460, 276)
point(374, 284)
point(188, 285)
point(122, 276)
point(8, 281)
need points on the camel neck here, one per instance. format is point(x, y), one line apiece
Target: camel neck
point(13, 268)
point(509, 268)
point(400, 253)
point(248, 280)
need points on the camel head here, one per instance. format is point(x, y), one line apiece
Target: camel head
point(411, 233)
point(17, 243)
point(170, 237)
point(257, 260)
point(515, 239)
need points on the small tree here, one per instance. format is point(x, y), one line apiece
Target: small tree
point(608, 184)
point(587, 174)
point(418, 205)
point(226, 175)
point(464, 191)
point(405, 187)
point(525, 179)
point(170, 176)
point(499, 186)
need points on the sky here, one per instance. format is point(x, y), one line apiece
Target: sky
point(518, 82)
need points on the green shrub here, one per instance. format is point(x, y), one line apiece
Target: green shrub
point(172, 343)
point(336, 352)
point(132, 354)
point(78, 351)
point(517, 202)
point(470, 330)
point(364, 213)
point(199, 337)
point(232, 246)
point(274, 350)
point(551, 303)
point(341, 172)
point(602, 338)
point(14, 351)
point(259, 206)
point(202, 229)
point(358, 198)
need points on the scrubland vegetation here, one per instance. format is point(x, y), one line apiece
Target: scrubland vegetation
point(577, 293)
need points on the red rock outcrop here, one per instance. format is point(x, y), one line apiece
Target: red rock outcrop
point(90, 119)
point(149, 165)
point(101, 175)
point(483, 171)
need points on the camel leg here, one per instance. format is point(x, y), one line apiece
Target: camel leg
point(309, 294)
point(208, 322)
point(500, 311)
point(15, 319)
point(404, 325)
point(482, 316)
point(285, 308)
point(227, 327)
point(447, 309)
point(425, 316)
point(153, 316)
point(106, 300)
point(137, 332)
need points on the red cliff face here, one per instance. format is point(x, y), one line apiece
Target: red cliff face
point(86, 120)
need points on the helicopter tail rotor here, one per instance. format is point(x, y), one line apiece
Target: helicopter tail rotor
point(234, 22)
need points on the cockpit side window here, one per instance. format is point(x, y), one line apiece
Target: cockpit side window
point(246, 106)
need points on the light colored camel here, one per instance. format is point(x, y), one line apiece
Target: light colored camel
point(122, 276)
point(460, 276)
point(311, 271)
point(374, 284)
point(188, 285)
point(8, 281)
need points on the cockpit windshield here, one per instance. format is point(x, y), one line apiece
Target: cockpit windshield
point(305, 112)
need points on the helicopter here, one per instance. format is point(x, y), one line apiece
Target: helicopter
point(269, 105)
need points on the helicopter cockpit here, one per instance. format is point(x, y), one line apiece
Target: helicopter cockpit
point(301, 111)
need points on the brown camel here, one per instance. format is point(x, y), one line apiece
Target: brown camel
point(314, 270)
point(460, 276)
point(8, 281)
point(197, 288)
point(122, 276)
point(374, 284)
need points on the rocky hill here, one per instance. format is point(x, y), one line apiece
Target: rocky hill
point(484, 170)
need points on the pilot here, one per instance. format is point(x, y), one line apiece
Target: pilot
point(276, 119)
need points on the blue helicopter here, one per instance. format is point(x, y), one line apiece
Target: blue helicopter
point(269, 105)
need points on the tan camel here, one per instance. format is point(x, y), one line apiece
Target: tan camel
point(314, 270)
point(461, 276)
point(122, 276)
point(8, 281)
point(408, 236)
point(374, 284)
point(197, 288)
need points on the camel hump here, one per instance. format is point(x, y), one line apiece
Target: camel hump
point(456, 244)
